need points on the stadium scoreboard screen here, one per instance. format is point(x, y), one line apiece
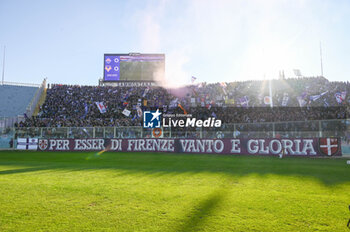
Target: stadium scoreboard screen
point(133, 67)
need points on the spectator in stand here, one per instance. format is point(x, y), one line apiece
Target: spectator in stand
point(294, 99)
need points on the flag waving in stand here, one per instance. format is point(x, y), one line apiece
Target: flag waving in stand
point(101, 107)
point(185, 112)
point(126, 112)
point(340, 96)
point(139, 111)
point(193, 79)
point(223, 85)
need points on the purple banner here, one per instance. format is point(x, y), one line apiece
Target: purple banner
point(289, 147)
point(112, 68)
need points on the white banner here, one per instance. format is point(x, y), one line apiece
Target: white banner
point(27, 143)
point(126, 112)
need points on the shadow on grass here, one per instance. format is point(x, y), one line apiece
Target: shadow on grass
point(23, 170)
point(328, 171)
point(197, 217)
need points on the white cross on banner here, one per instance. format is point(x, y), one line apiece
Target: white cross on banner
point(328, 147)
point(27, 143)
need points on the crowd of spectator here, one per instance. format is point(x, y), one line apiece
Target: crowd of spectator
point(293, 99)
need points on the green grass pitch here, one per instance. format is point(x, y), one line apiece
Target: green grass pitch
point(43, 191)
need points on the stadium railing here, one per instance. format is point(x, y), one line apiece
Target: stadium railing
point(322, 128)
point(34, 102)
point(20, 84)
point(6, 122)
point(7, 136)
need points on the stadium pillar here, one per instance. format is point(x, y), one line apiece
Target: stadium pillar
point(270, 93)
point(114, 132)
point(67, 132)
point(3, 68)
point(320, 129)
point(321, 59)
point(273, 130)
point(93, 132)
point(234, 130)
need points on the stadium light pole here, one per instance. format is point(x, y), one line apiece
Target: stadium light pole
point(270, 93)
point(3, 67)
point(321, 59)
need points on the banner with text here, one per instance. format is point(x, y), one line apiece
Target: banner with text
point(293, 147)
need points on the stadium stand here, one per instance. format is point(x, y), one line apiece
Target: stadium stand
point(17, 101)
point(14, 100)
point(295, 99)
point(302, 108)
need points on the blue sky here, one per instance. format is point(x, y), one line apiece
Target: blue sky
point(222, 40)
